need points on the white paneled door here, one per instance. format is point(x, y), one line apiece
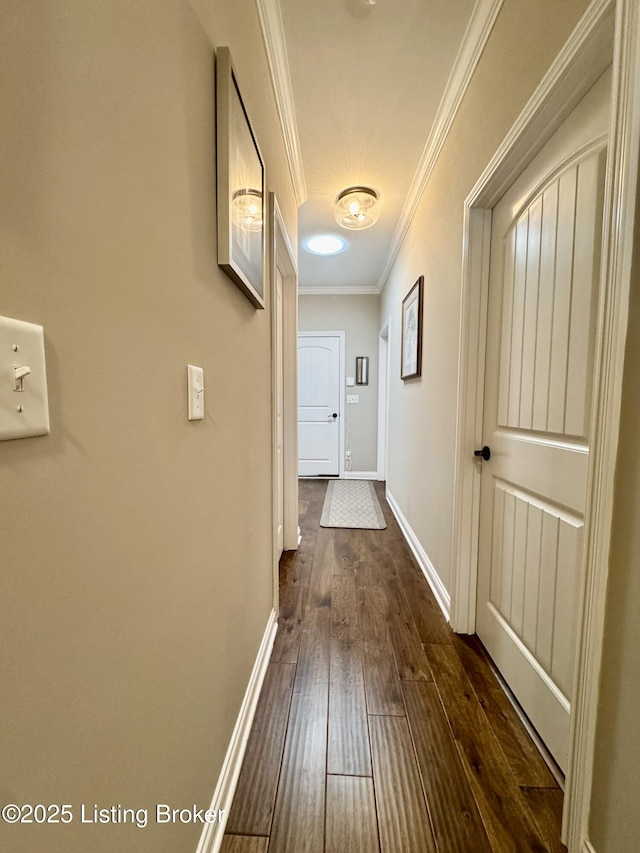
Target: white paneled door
point(543, 294)
point(319, 410)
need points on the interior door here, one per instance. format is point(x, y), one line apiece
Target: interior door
point(543, 294)
point(318, 405)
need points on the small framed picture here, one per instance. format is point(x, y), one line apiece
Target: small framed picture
point(411, 357)
point(241, 187)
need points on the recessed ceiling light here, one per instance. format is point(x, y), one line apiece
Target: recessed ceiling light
point(325, 244)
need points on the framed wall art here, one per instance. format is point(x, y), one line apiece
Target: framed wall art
point(240, 187)
point(411, 355)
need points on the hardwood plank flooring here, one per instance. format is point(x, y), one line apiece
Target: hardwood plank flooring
point(507, 819)
point(345, 552)
point(407, 646)
point(313, 655)
point(525, 761)
point(252, 809)
point(384, 694)
point(403, 818)
point(456, 821)
point(298, 822)
point(351, 825)
point(546, 805)
point(244, 844)
point(348, 748)
point(378, 730)
point(344, 613)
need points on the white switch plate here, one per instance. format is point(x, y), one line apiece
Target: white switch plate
point(350, 381)
point(195, 392)
point(353, 398)
point(23, 413)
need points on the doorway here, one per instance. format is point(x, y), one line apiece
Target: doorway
point(383, 398)
point(582, 60)
point(284, 312)
point(546, 235)
point(321, 357)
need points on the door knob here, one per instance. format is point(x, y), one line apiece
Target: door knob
point(334, 415)
point(485, 453)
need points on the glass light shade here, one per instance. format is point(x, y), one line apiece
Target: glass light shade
point(357, 208)
point(247, 209)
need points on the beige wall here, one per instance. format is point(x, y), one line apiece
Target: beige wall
point(136, 578)
point(422, 419)
point(615, 818)
point(359, 318)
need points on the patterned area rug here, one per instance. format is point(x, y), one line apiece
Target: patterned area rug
point(352, 503)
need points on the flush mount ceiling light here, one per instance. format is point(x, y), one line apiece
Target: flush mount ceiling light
point(325, 244)
point(357, 208)
point(247, 209)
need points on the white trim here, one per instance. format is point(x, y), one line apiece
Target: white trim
point(384, 343)
point(343, 388)
point(282, 259)
point(336, 290)
point(284, 247)
point(478, 30)
point(467, 469)
point(580, 62)
point(618, 230)
point(360, 475)
point(274, 40)
point(427, 567)
point(290, 390)
point(212, 833)
point(587, 847)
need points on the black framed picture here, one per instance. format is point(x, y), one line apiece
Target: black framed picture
point(411, 355)
point(241, 187)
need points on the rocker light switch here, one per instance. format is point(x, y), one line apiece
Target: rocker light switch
point(195, 392)
point(24, 407)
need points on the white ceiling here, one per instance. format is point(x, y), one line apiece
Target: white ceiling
point(365, 93)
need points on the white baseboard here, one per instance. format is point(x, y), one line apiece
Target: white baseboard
point(360, 475)
point(428, 570)
point(212, 833)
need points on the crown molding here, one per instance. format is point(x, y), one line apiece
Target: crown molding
point(273, 34)
point(333, 290)
point(478, 30)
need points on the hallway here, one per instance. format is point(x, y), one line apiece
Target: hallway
point(377, 727)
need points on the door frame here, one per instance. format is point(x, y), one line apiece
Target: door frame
point(384, 344)
point(283, 259)
point(341, 393)
point(609, 31)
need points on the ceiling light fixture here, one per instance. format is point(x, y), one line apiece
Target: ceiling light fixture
point(357, 208)
point(325, 244)
point(247, 209)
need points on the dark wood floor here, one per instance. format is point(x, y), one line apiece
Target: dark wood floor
point(378, 729)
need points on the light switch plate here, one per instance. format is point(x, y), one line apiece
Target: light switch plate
point(353, 398)
point(350, 381)
point(24, 405)
point(195, 392)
